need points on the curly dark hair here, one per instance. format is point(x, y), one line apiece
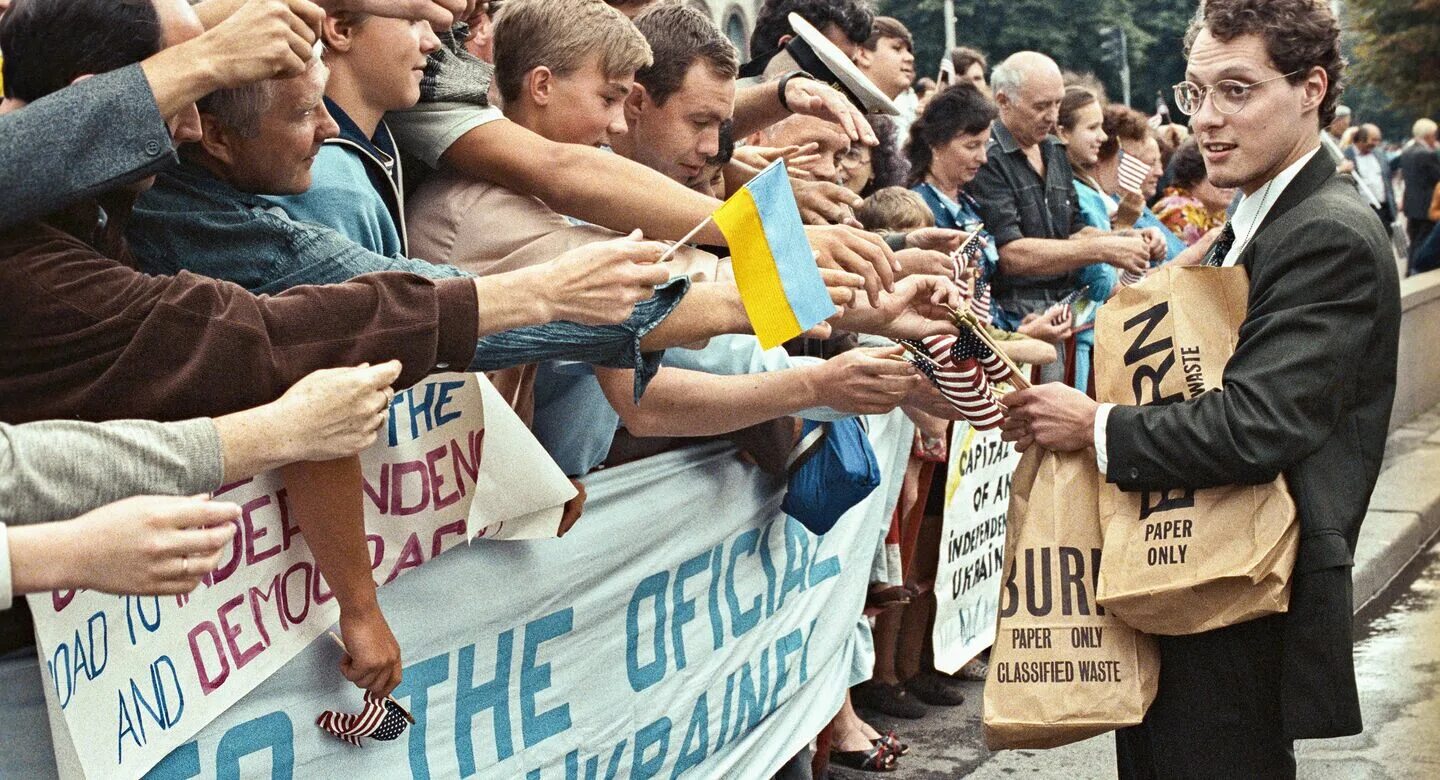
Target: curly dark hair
point(1187, 167)
point(887, 165)
point(1122, 121)
point(855, 17)
point(1299, 35)
point(958, 110)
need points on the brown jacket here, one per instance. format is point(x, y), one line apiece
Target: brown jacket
point(82, 335)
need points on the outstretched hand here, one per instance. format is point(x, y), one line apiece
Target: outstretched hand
point(1053, 415)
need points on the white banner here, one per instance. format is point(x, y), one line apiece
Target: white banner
point(134, 678)
point(972, 545)
point(683, 625)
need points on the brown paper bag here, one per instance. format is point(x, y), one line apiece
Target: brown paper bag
point(1061, 669)
point(1185, 561)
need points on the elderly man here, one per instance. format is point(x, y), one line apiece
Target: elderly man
point(1420, 167)
point(1306, 394)
point(1026, 196)
point(1372, 171)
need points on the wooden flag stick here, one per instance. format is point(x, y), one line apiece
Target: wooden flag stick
point(686, 239)
point(967, 320)
point(391, 699)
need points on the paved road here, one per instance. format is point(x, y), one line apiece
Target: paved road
point(1397, 659)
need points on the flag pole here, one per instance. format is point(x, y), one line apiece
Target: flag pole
point(686, 239)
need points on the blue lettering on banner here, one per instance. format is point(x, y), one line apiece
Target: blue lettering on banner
point(683, 609)
point(655, 734)
point(471, 699)
point(642, 677)
point(741, 622)
point(428, 409)
point(419, 678)
point(535, 678)
point(272, 732)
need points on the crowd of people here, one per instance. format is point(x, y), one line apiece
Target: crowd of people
point(234, 231)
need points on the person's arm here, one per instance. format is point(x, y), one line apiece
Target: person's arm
point(758, 106)
point(147, 546)
point(692, 403)
point(1050, 256)
point(583, 182)
point(326, 500)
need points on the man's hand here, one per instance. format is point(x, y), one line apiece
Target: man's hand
point(1155, 242)
point(333, 412)
point(372, 656)
point(925, 261)
point(149, 545)
point(1054, 415)
point(919, 307)
point(1052, 327)
point(825, 202)
point(937, 239)
point(811, 98)
point(843, 286)
point(1128, 253)
point(796, 157)
point(255, 40)
point(439, 13)
point(868, 381)
point(856, 251)
point(600, 283)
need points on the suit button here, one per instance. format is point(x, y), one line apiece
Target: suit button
point(152, 148)
point(1134, 473)
point(442, 366)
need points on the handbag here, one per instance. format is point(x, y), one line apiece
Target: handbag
point(832, 469)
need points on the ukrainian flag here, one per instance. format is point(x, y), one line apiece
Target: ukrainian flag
point(774, 264)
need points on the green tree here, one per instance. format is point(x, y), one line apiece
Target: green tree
point(1394, 50)
point(1067, 31)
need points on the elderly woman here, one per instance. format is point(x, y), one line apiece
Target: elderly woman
point(1192, 206)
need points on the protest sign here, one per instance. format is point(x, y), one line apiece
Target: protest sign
point(972, 545)
point(1185, 560)
point(683, 625)
point(132, 678)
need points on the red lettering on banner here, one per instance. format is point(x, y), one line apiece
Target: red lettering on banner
point(285, 591)
point(438, 544)
point(288, 532)
point(380, 498)
point(208, 683)
point(441, 501)
point(252, 533)
point(410, 557)
point(377, 549)
point(398, 471)
point(224, 570)
point(232, 632)
point(60, 599)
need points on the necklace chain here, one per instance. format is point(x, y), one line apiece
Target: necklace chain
point(1259, 214)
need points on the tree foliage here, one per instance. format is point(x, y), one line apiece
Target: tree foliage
point(1395, 50)
point(1068, 31)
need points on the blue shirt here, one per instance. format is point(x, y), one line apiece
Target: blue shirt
point(191, 220)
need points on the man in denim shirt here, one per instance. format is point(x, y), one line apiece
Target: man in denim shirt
point(1026, 197)
point(208, 216)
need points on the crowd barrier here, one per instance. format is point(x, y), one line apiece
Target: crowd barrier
point(1418, 384)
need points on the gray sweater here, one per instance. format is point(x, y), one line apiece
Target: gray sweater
point(57, 469)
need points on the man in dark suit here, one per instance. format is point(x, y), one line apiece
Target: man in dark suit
point(1371, 169)
point(1420, 168)
point(1307, 394)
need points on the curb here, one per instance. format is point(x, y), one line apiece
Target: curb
point(1403, 519)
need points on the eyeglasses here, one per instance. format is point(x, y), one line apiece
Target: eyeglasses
point(1229, 96)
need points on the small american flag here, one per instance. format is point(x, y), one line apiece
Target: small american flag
point(382, 719)
point(1132, 173)
point(965, 384)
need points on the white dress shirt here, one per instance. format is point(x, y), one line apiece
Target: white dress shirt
point(1367, 170)
point(1245, 221)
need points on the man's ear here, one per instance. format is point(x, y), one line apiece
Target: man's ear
point(538, 85)
point(863, 58)
point(338, 31)
point(1315, 86)
point(216, 140)
point(635, 103)
point(786, 39)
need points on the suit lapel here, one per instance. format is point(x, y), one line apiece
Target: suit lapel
point(1309, 180)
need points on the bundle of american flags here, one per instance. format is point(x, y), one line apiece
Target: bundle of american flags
point(964, 368)
point(381, 718)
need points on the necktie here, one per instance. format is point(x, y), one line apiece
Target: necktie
point(1216, 256)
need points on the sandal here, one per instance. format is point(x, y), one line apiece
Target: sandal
point(891, 743)
point(974, 670)
point(876, 759)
